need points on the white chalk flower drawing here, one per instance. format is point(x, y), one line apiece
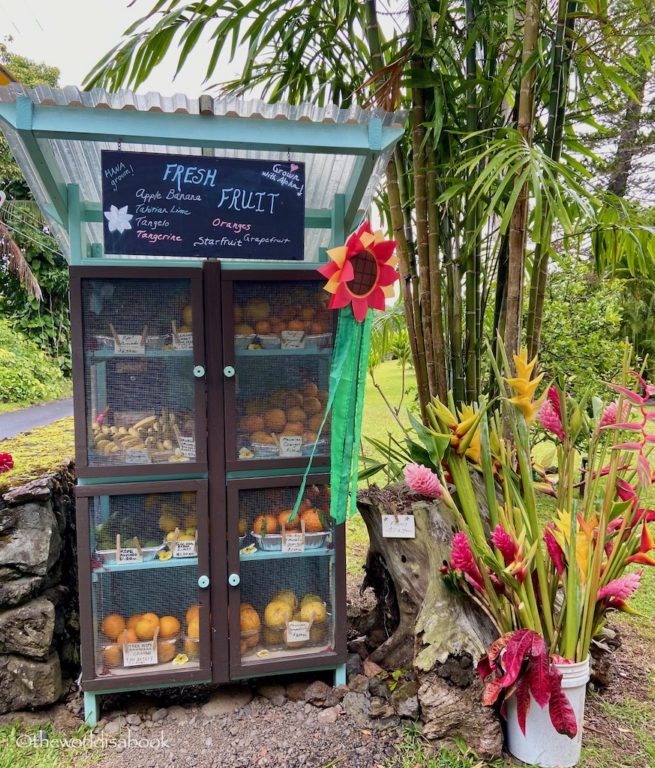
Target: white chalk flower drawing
point(118, 219)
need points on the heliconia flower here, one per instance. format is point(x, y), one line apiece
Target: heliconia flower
point(424, 481)
point(461, 558)
point(646, 543)
point(505, 543)
point(641, 559)
point(550, 417)
point(622, 588)
point(461, 429)
point(554, 549)
point(6, 462)
point(624, 490)
point(524, 386)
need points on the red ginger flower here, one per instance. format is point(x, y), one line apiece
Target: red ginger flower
point(361, 272)
point(461, 558)
point(6, 462)
point(506, 544)
point(550, 414)
point(611, 414)
point(621, 589)
point(423, 481)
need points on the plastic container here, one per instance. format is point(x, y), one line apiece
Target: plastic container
point(241, 341)
point(274, 636)
point(542, 745)
point(265, 450)
point(109, 555)
point(191, 646)
point(318, 341)
point(272, 542)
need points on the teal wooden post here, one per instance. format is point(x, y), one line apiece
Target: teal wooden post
point(74, 223)
point(339, 234)
point(91, 708)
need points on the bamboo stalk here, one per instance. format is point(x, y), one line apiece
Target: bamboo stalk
point(434, 268)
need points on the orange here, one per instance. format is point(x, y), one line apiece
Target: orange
point(112, 625)
point(315, 422)
point(283, 520)
point(263, 326)
point(169, 626)
point(127, 636)
point(151, 617)
point(313, 611)
point(323, 396)
point(265, 524)
point(252, 423)
point(165, 652)
point(294, 428)
point(293, 400)
point(192, 613)
point(243, 329)
point(312, 405)
point(249, 618)
point(296, 414)
point(317, 328)
point(275, 419)
point(112, 656)
point(191, 647)
point(263, 438)
point(277, 612)
point(309, 389)
point(312, 520)
point(194, 629)
point(296, 325)
point(257, 309)
point(145, 629)
point(133, 620)
point(309, 436)
point(308, 313)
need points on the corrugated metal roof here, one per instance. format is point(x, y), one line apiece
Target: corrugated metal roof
point(77, 160)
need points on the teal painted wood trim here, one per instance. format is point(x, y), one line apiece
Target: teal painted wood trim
point(375, 134)
point(74, 225)
point(173, 129)
point(91, 708)
point(340, 675)
point(256, 674)
point(139, 479)
point(356, 187)
point(231, 265)
point(338, 235)
point(101, 261)
point(241, 475)
point(41, 157)
point(148, 687)
point(51, 211)
point(315, 218)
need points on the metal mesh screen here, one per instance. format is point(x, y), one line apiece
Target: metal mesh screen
point(144, 582)
point(283, 344)
point(138, 362)
point(287, 575)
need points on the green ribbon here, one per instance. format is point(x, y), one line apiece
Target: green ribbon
point(346, 403)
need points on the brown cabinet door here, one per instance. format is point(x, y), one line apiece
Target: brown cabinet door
point(138, 371)
point(278, 337)
point(287, 585)
point(144, 583)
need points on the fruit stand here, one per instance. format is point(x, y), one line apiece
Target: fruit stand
point(202, 346)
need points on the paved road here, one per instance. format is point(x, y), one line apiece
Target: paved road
point(15, 422)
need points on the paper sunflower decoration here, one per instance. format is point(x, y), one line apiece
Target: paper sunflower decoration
point(360, 276)
point(362, 272)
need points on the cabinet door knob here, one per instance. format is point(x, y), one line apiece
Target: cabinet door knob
point(203, 582)
point(229, 371)
point(234, 580)
point(199, 371)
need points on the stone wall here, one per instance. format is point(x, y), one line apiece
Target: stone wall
point(39, 626)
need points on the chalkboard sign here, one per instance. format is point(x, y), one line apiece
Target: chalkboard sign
point(190, 205)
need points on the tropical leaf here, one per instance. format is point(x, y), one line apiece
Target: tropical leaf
point(562, 715)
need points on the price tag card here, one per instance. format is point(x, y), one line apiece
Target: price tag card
point(293, 339)
point(184, 549)
point(298, 631)
point(293, 542)
point(183, 341)
point(139, 654)
point(130, 344)
point(400, 527)
point(129, 555)
point(137, 456)
point(290, 445)
point(187, 446)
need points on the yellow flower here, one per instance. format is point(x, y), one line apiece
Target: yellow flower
point(467, 418)
point(583, 539)
point(524, 386)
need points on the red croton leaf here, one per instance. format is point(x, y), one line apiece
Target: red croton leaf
point(484, 668)
point(561, 713)
point(496, 649)
point(522, 701)
point(491, 692)
point(538, 675)
point(516, 652)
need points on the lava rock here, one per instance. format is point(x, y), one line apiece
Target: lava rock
point(28, 683)
point(28, 629)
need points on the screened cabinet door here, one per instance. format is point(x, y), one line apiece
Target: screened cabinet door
point(138, 371)
point(278, 337)
point(144, 587)
point(287, 578)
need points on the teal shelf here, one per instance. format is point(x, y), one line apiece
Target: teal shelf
point(158, 353)
point(262, 554)
point(179, 562)
point(257, 353)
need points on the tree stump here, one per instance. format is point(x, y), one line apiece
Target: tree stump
point(426, 626)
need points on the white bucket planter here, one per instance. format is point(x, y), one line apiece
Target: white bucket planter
point(542, 745)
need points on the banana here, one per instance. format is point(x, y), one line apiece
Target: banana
point(147, 422)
